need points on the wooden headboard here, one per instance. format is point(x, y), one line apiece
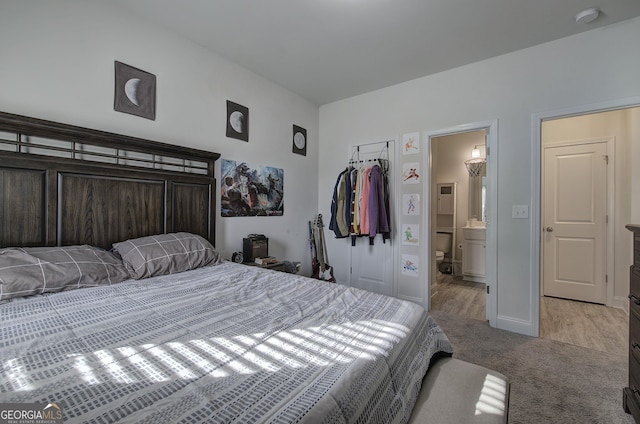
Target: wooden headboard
point(65, 185)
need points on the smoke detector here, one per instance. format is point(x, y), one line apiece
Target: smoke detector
point(587, 15)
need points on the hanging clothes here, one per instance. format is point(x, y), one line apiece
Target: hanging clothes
point(347, 200)
point(355, 206)
point(360, 203)
point(364, 201)
point(378, 214)
point(333, 225)
point(384, 167)
point(338, 222)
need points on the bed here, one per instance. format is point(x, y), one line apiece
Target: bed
point(174, 333)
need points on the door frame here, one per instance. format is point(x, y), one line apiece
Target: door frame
point(491, 128)
point(536, 193)
point(609, 265)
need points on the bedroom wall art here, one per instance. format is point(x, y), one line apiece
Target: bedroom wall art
point(411, 251)
point(411, 204)
point(135, 91)
point(411, 173)
point(411, 143)
point(411, 234)
point(251, 190)
point(299, 140)
point(410, 265)
point(237, 121)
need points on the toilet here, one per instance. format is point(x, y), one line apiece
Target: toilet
point(443, 246)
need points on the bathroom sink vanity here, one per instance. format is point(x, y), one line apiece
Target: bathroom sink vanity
point(474, 256)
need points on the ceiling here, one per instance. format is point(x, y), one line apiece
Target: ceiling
point(327, 50)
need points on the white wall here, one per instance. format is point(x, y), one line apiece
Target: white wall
point(58, 64)
point(591, 67)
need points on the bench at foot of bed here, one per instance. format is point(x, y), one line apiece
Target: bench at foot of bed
point(456, 391)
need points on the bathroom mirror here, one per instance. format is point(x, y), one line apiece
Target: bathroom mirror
point(478, 196)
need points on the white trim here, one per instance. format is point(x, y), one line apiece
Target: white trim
point(426, 233)
point(513, 324)
point(492, 208)
point(577, 142)
point(410, 298)
point(536, 151)
point(395, 202)
point(621, 302)
point(611, 218)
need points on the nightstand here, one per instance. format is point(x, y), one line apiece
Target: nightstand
point(276, 266)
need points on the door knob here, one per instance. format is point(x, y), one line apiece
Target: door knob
point(549, 229)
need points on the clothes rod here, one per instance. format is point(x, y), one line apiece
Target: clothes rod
point(374, 142)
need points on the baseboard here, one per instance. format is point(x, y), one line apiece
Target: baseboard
point(621, 302)
point(514, 325)
point(410, 299)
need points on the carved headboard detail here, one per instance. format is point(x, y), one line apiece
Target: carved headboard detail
point(64, 185)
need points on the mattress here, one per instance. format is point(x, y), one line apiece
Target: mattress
point(225, 343)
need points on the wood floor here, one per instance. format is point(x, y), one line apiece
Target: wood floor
point(452, 295)
point(578, 323)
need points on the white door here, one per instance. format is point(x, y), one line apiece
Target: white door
point(574, 226)
point(372, 266)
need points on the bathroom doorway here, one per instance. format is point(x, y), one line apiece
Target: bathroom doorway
point(461, 243)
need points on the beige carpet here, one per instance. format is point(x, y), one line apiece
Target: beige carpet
point(551, 381)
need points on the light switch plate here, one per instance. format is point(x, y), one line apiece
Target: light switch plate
point(520, 211)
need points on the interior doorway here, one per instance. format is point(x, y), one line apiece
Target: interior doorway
point(574, 219)
point(585, 168)
point(460, 163)
point(459, 286)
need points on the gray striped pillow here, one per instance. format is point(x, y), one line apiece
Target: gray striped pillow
point(164, 254)
point(34, 270)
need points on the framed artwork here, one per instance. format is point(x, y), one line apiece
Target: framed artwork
point(135, 91)
point(411, 143)
point(411, 204)
point(410, 265)
point(411, 173)
point(250, 190)
point(299, 140)
point(411, 234)
point(237, 121)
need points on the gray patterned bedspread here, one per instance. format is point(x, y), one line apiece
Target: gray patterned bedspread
point(227, 343)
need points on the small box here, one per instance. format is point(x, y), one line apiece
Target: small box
point(253, 248)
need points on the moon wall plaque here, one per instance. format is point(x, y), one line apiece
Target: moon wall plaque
point(237, 121)
point(299, 140)
point(135, 91)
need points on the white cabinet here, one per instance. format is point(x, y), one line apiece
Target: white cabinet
point(446, 199)
point(474, 255)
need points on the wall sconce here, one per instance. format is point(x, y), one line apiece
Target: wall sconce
point(475, 165)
